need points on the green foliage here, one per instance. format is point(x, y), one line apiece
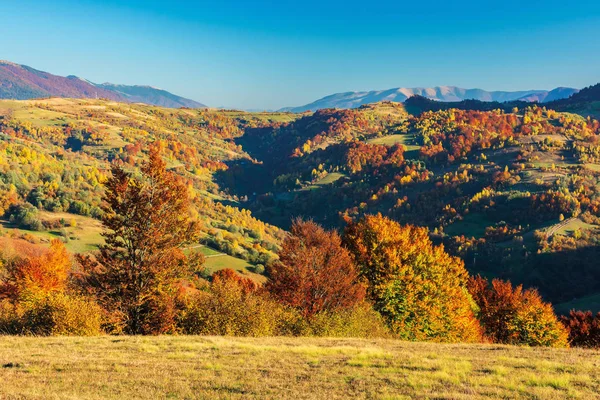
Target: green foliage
point(25, 216)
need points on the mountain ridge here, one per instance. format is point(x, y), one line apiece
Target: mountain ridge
point(438, 93)
point(21, 82)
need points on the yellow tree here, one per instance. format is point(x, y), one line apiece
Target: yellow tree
point(416, 286)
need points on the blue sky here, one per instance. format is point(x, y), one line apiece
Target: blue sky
point(270, 54)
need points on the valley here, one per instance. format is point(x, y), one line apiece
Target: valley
point(514, 193)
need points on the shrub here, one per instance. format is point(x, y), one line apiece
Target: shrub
point(25, 216)
point(259, 269)
point(54, 314)
point(584, 328)
point(361, 321)
point(232, 306)
point(516, 316)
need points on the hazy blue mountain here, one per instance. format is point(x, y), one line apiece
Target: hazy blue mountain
point(439, 93)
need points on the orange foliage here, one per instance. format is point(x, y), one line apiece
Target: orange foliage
point(38, 275)
point(516, 316)
point(418, 287)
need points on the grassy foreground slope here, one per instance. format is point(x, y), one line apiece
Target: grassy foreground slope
point(298, 368)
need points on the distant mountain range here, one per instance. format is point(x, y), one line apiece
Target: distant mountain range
point(21, 82)
point(439, 93)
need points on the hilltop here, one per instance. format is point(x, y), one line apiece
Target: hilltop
point(439, 93)
point(20, 82)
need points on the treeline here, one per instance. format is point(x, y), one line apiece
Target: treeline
point(379, 279)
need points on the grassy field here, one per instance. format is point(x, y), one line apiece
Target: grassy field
point(471, 225)
point(84, 235)
point(406, 140)
point(287, 368)
point(572, 226)
point(216, 261)
point(329, 179)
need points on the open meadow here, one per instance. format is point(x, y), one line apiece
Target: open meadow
point(186, 367)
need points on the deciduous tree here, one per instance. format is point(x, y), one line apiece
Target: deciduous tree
point(314, 272)
point(516, 316)
point(416, 286)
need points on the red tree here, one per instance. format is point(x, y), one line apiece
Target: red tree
point(584, 328)
point(314, 272)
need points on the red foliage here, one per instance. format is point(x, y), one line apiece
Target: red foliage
point(315, 273)
point(584, 328)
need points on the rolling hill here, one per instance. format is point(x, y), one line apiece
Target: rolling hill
point(55, 153)
point(20, 82)
point(440, 93)
point(513, 191)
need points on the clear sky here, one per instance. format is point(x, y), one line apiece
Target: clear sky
point(270, 54)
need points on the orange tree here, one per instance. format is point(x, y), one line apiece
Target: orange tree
point(516, 316)
point(147, 221)
point(314, 272)
point(37, 275)
point(35, 297)
point(417, 287)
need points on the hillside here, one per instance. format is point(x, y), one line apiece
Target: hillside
point(288, 368)
point(514, 194)
point(20, 82)
point(585, 103)
point(55, 154)
point(439, 93)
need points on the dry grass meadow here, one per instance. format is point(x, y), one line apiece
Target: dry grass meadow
point(180, 367)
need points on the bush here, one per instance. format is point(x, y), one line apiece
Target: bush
point(55, 314)
point(25, 216)
point(584, 328)
point(359, 322)
point(231, 306)
point(80, 208)
point(516, 316)
point(259, 269)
